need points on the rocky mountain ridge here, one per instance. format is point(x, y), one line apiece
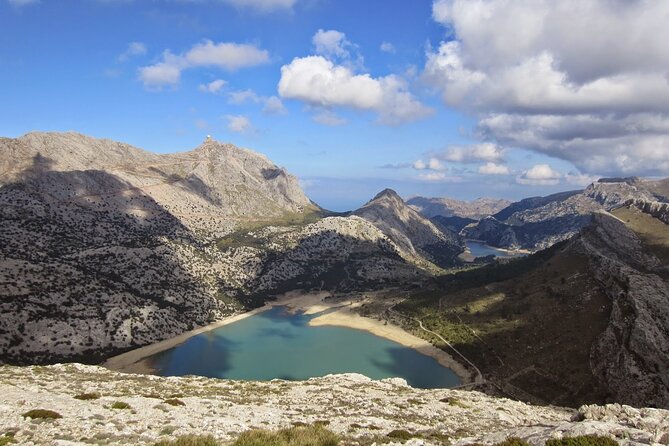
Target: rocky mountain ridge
point(536, 223)
point(104, 246)
point(362, 411)
point(450, 207)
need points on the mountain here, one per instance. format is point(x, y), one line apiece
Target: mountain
point(539, 222)
point(105, 247)
point(412, 232)
point(449, 207)
point(176, 410)
point(584, 321)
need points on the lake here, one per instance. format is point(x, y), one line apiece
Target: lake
point(480, 249)
point(277, 344)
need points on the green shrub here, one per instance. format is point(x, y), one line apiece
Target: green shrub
point(583, 440)
point(42, 414)
point(400, 434)
point(294, 436)
point(190, 440)
point(6, 439)
point(174, 402)
point(513, 441)
point(120, 405)
point(87, 396)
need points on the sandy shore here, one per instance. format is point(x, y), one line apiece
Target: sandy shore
point(335, 313)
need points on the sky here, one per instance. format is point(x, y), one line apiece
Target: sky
point(457, 98)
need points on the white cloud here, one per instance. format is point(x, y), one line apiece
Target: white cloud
point(513, 62)
point(213, 87)
point(272, 105)
point(160, 75)
point(578, 179)
point(473, 153)
point(490, 168)
point(430, 164)
point(224, 55)
point(239, 124)
point(20, 3)
point(134, 49)
point(318, 82)
point(539, 175)
point(328, 117)
point(331, 43)
point(263, 6)
point(439, 177)
point(387, 47)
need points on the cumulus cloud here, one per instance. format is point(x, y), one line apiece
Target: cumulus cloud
point(539, 175)
point(319, 82)
point(490, 168)
point(331, 43)
point(272, 105)
point(512, 64)
point(134, 49)
point(473, 153)
point(430, 164)
point(213, 87)
point(223, 55)
point(239, 124)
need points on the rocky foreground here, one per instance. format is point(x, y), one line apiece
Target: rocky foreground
point(140, 409)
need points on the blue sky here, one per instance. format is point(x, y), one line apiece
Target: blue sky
point(350, 96)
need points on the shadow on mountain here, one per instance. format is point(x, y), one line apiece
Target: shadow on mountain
point(192, 183)
point(85, 271)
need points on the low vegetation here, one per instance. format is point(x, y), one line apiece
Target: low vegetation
point(120, 405)
point(295, 436)
point(190, 440)
point(87, 396)
point(42, 414)
point(7, 439)
point(174, 402)
point(583, 440)
point(513, 441)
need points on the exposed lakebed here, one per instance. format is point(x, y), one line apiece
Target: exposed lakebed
point(278, 344)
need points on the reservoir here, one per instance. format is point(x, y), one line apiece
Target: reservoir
point(480, 249)
point(278, 344)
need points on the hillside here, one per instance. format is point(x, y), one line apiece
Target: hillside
point(412, 232)
point(539, 222)
point(104, 246)
point(584, 321)
point(449, 207)
point(358, 410)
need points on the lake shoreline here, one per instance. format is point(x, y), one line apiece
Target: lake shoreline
point(327, 313)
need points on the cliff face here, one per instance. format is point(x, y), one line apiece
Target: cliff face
point(539, 222)
point(412, 232)
point(630, 357)
point(359, 410)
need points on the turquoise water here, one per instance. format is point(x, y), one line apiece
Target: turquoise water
point(479, 249)
point(276, 344)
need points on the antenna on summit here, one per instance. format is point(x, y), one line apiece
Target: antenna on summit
point(208, 137)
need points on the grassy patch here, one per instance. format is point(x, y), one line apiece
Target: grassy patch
point(400, 434)
point(294, 436)
point(513, 441)
point(120, 405)
point(42, 414)
point(6, 439)
point(653, 233)
point(190, 440)
point(87, 396)
point(454, 402)
point(174, 402)
point(583, 440)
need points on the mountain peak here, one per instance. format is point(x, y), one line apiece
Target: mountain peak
point(389, 193)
